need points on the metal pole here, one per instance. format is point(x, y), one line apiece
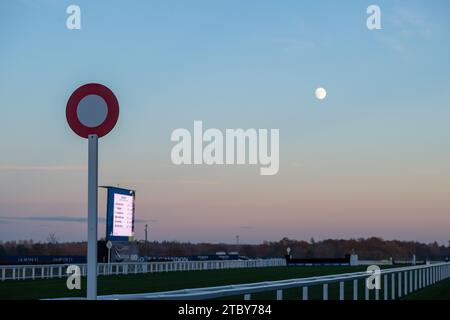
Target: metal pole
point(109, 260)
point(146, 242)
point(92, 217)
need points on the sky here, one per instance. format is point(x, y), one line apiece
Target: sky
point(372, 159)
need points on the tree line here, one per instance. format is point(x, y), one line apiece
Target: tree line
point(367, 248)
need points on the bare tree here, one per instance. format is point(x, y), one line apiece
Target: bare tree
point(52, 238)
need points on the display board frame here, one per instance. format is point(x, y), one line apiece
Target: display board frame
point(111, 192)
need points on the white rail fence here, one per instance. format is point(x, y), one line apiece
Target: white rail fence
point(403, 281)
point(49, 271)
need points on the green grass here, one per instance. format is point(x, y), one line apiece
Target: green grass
point(153, 282)
point(438, 291)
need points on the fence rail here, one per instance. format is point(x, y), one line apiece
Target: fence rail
point(23, 272)
point(403, 281)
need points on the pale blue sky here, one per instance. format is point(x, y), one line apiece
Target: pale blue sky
point(371, 159)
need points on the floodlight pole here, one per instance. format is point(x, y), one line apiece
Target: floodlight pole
point(146, 242)
point(92, 217)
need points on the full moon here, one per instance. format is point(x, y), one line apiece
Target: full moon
point(321, 93)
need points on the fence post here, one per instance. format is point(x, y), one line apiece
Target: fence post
point(399, 284)
point(424, 277)
point(341, 290)
point(355, 289)
point(434, 274)
point(279, 294)
point(247, 296)
point(415, 280)
point(385, 287)
point(393, 286)
point(411, 282)
point(419, 276)
point(305, 293)
point(325, 291)
point(431, 275)
point(366, 291)
point(425, 282)
point(406, 283)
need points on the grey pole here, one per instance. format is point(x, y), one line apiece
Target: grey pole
point(146, 243)
point(109, 260)
point(92, 217)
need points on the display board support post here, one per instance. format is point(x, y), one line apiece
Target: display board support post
point(109, 260)
point(92, 217)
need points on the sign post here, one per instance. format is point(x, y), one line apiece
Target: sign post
point(92, 216)
point(109, 246)
point(92, 112)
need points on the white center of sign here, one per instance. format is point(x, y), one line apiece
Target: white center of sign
point(92, 111)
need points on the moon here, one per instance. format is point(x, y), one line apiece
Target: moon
point(321, 93)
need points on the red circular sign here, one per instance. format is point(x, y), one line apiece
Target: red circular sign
point(110, 120)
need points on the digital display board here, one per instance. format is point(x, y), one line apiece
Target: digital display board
point(123, 215)
point(120, 214)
